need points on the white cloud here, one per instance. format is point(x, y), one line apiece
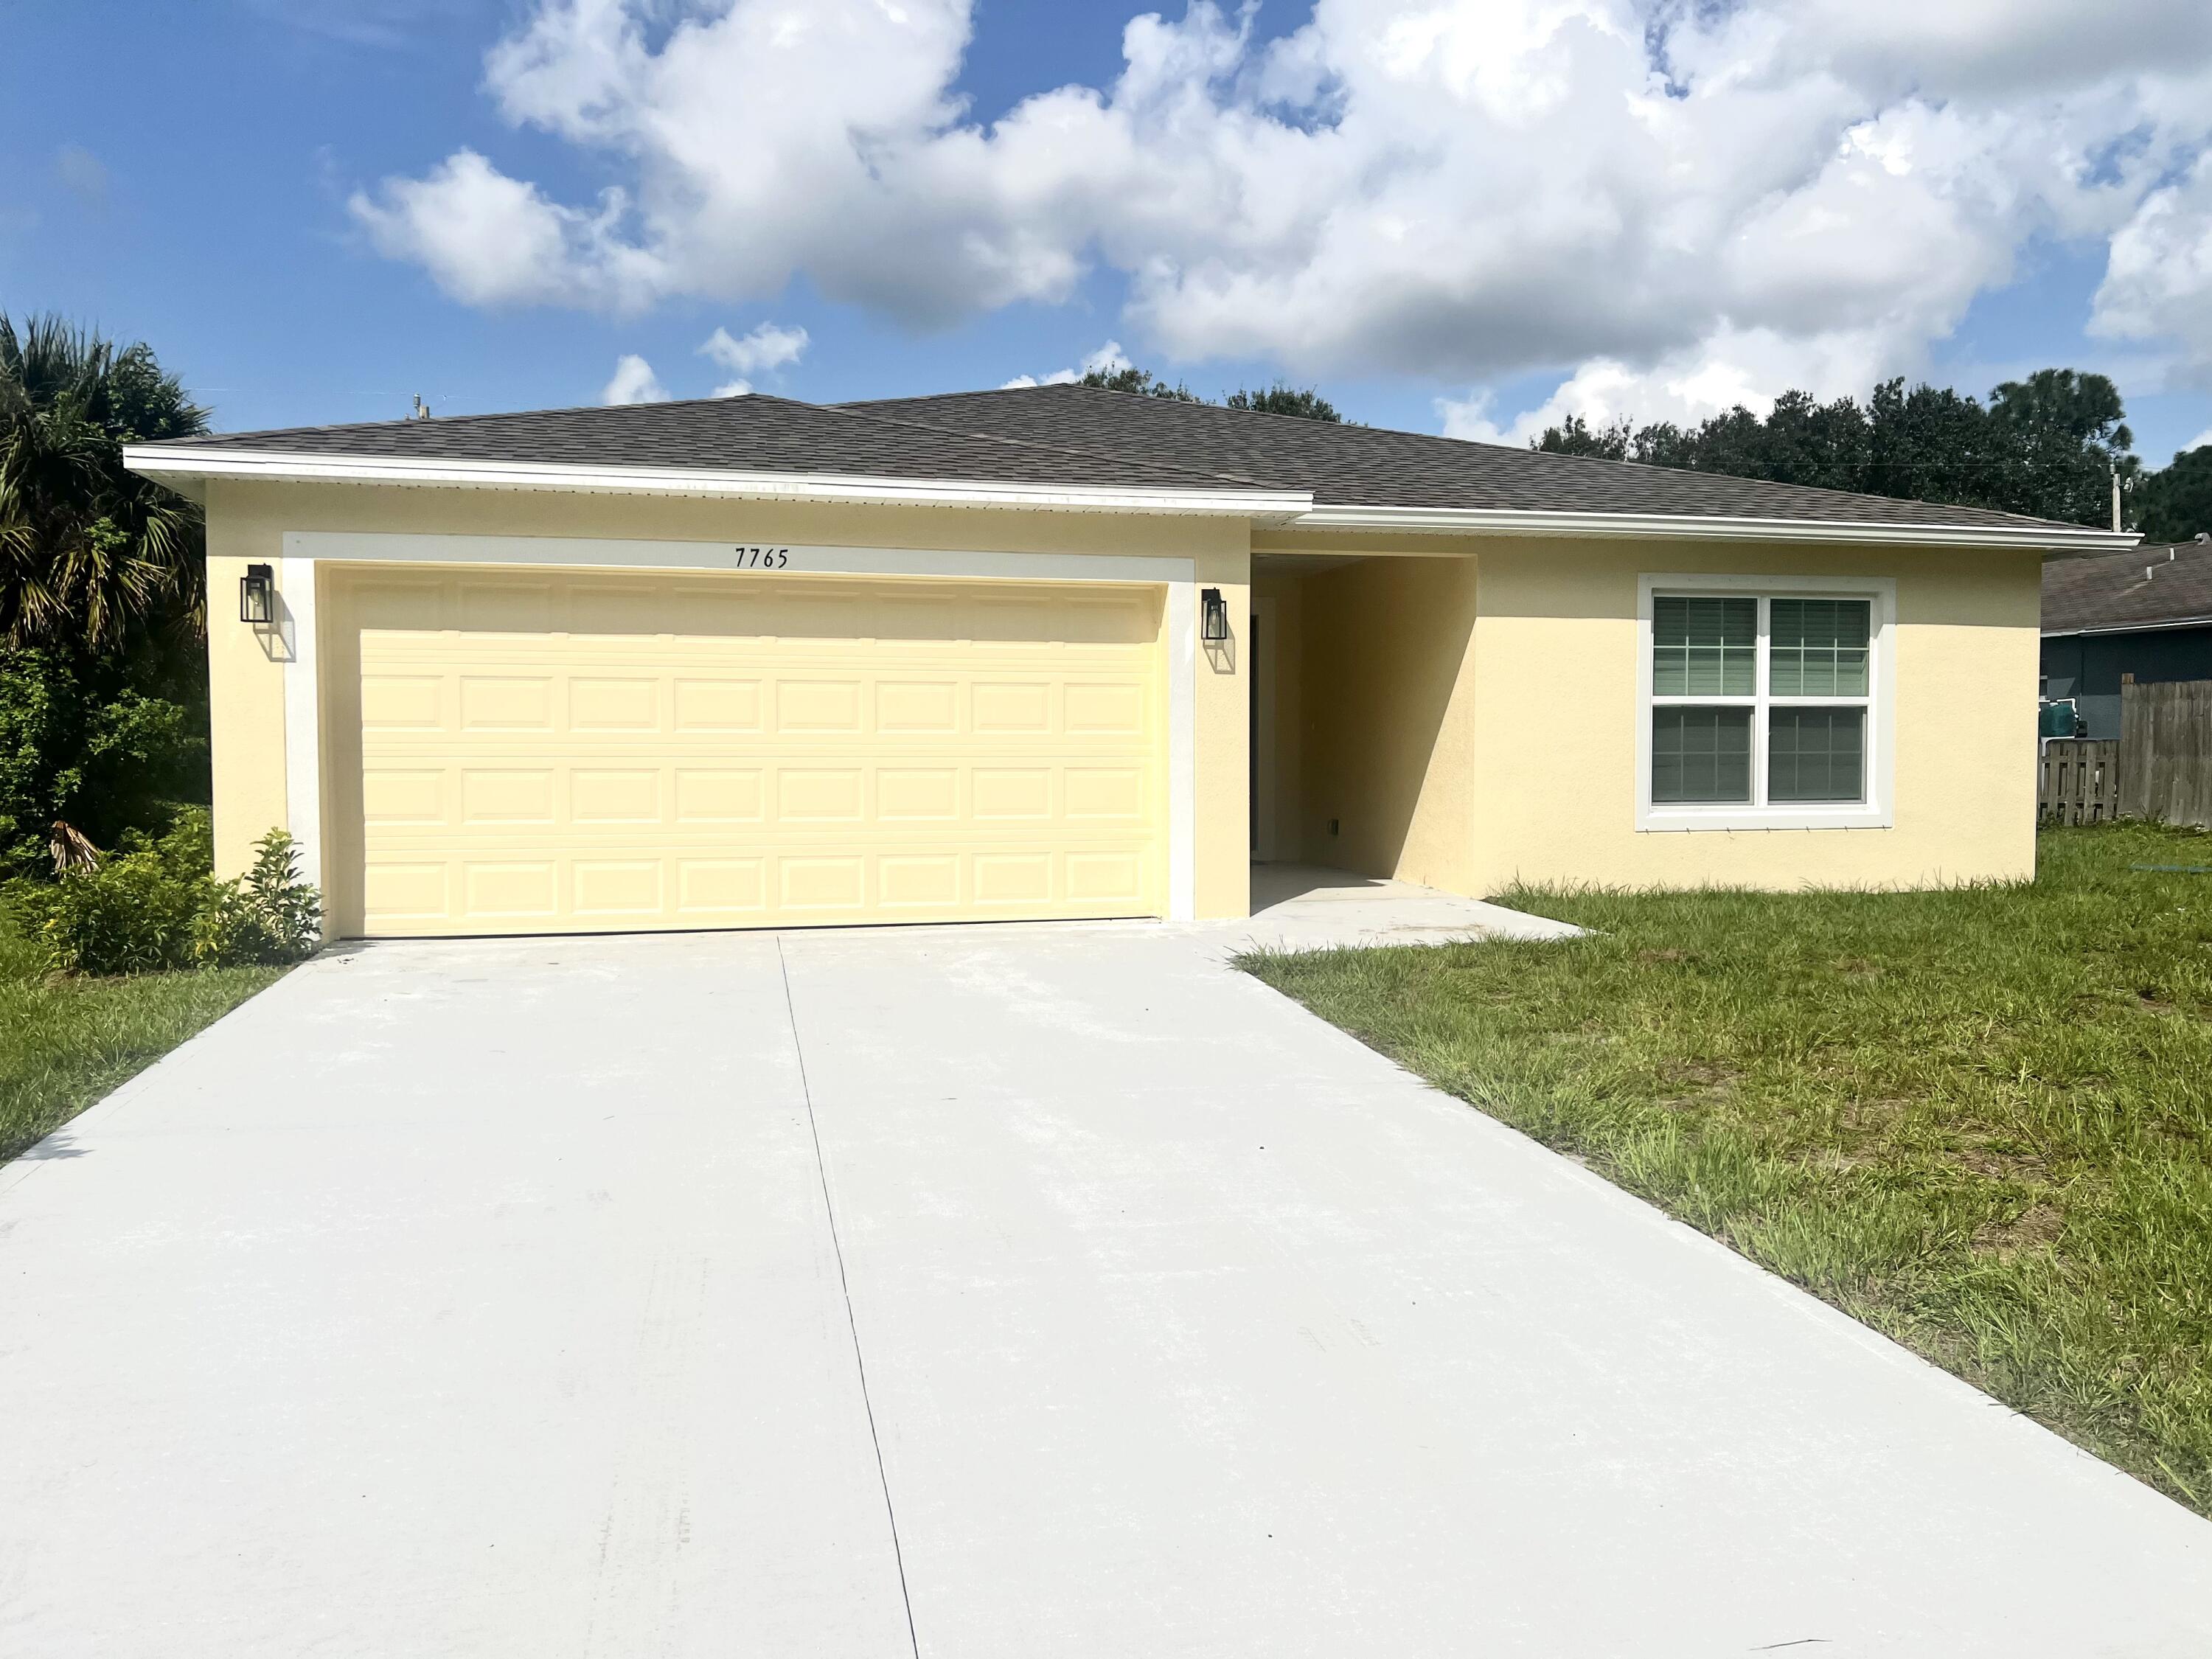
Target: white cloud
point(1685, 199)
point(490, 239)
point(1685, 386)
point(634, 382)
point(1108, 359)
point(2157, 280)
point(767, 347)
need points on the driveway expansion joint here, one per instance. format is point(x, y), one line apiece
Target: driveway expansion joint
point(845, 1289)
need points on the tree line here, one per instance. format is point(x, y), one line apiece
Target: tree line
point(2049, 446)
point(1303, 402)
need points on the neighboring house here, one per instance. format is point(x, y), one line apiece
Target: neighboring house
point(1060, 651)
point(2142, 614)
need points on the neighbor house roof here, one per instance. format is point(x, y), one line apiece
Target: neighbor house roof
point(1079, 448)
point(2167, 586)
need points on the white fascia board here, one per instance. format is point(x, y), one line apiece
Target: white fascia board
point(1476, 521)
point(278, 466)
point(2128, 628)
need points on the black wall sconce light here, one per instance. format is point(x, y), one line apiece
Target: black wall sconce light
point(1213, 616)
point(257, 595)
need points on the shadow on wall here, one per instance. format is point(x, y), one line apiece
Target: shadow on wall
point(1387, 753)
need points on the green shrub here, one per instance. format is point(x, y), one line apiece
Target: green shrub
point(153, 905)
point(131, 914)
point(187, 846)
point(81, 741)
point(268, 915)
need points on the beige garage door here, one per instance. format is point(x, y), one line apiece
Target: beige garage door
point(555, 753)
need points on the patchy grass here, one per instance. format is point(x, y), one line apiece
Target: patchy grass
point(65, 1043)
point(1980, 1118)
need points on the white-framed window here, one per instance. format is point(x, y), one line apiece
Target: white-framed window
point(1765, 702)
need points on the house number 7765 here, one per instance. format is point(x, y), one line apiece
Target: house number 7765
point(763, 558)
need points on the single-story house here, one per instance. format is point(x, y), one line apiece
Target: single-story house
point(1060, 651)
point(2142, 614)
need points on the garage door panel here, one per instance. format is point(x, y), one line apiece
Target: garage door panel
point(705, 704)
point(631, 796)
point(712, 797)
point(402, 892)
point(403, 702)
point(617, 887)
point(812, 707)
point(1023, 880)
point(1004, 707)
point(916, 881)
point(818, 795)
point(506, 703)
point(536, 757)
point(918, 795)
point(397, 796)
point(823, 883)
point(1106, 793)
point(1104, 878)
point(506, 888)
point(918, 707)
point(630, 704)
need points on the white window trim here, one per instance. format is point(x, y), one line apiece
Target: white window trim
point(1878, 810)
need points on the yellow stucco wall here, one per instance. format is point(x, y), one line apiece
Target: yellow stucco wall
point(1278, 749)
point(1466, 712)
point(246, 714)
point(1384, 721)
point(1554, 677)
point(1222, 721)
point(1474, 721)
point(247, 521)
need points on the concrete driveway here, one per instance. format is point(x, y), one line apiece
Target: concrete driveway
point(970, 1293)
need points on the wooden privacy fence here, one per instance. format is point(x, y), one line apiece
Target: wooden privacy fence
point(2079, 782)
point(2166, 752)
point(2160, 768)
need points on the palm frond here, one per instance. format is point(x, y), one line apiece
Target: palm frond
point(88, 549)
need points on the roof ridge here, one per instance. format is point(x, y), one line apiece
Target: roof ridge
point(852, 412)
point(1151, 399)
point(1232, 410)
point(482, 415)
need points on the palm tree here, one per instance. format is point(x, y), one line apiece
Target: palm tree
point(88, 549)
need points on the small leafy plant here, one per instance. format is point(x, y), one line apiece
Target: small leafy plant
point(268, 915)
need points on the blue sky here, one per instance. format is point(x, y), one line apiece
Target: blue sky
point(214, 177)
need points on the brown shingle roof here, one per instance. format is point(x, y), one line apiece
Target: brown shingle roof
point(2143, 588)
point(753, 434)
point(1085, 436)
point(1373, 466)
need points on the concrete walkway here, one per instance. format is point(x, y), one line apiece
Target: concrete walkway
point(978, 1294)
point(1302, 906)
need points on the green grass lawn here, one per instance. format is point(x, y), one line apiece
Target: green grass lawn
point(1979, 1119)
point(65, 1043)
